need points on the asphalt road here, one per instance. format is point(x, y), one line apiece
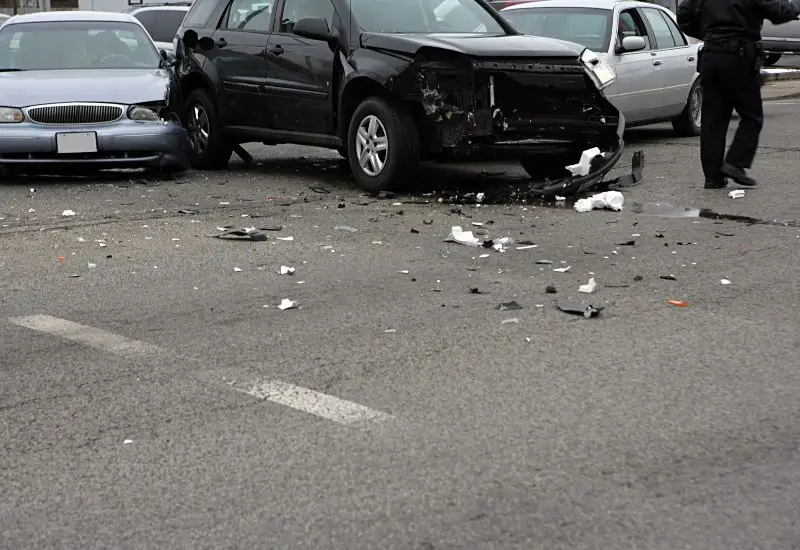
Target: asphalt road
point(402, 411)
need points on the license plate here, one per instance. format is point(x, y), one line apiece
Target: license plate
point(77, 142)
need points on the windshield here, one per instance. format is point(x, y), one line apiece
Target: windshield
point(585, 26)
point(73, 45)
point(425, 16)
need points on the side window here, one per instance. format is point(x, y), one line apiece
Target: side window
point(661, 31)
point(630, 24)
point(249, 15)
point(295, 10)
point(162, 24)
point(677, 35)
point(200, 13)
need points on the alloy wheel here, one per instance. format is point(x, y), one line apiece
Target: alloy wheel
point(696, 106)
point(372, 145)
point(198, 127)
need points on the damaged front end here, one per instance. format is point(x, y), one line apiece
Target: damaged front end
point(545, 112)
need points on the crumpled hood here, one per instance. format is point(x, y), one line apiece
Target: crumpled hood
point(474, 45)
point(126, 86)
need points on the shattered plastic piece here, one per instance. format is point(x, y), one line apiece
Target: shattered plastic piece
point(347, 228)
point(476, 290)
point(589, 287)
point(509, 306)
point(627, 243)
point(236, 269)
point(248, 233)
point(189, 211)
point(585, 163)
point(479, 197)
point(286, 303)
point(544, 262)
point(579, 309)
point(91, 265)
point(390, 331)
point(285, 238)
point(561, 199)
point(725, 282)
point(127, 442)
point(460, 236)
point(512, 321)
point(68, 213)
point(385, 195)
point(562, 269)
point(613, 200)
point(527, 247)
point(669, 277)
point(678, 303)
point(737, 194)
point(550, 289)
point(287, 270)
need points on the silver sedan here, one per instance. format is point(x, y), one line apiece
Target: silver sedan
point(86, 90)
point(656, 64)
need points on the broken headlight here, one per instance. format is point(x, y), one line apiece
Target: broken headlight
point(11, 115)
point(147, 113)
point(598, 70)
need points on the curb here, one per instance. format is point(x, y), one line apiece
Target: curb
point(793, 95)
point(773, 77)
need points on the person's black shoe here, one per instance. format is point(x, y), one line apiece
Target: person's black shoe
point(738, 175)
point(717, 183)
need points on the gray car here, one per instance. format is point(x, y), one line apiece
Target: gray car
point(88, 90)
point(655, 64)
point(780, 40)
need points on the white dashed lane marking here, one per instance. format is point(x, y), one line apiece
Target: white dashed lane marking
point(89, 336)
point(314, 402)
point(299, 398)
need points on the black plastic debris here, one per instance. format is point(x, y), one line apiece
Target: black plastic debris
point(243, 235)
point(508, 306)
point(415, 231)
point(341, 205)
point(627, 243)
point(575, 308)
point(550, 289)
point(476, 290)
point(188, 211)
point(427, 222)
point(638, 278)
point(669, 277)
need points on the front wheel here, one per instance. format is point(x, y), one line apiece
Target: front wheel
point(209, 150)
point(383, 144)
point(689, 122)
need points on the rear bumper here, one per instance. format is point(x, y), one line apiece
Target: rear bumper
point(123, 144)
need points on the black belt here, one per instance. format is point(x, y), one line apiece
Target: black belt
point(734, 45)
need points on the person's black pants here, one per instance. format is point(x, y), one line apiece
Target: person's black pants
point(729, 81)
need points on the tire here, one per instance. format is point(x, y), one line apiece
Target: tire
point(200, 115)
point(396, 125)
point(688, 124)
point(771, 59)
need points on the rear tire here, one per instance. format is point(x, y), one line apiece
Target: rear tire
point(689, 123)
point(386, 137)
point(209, 150)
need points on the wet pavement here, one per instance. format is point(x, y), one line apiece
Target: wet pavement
point(153, 393)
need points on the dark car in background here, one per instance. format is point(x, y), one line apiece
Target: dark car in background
point(162, 21)
point(389, 83)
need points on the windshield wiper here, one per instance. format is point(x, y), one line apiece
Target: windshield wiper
point(10, 69)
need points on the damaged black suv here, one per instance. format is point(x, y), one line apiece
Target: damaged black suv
point(391, 82)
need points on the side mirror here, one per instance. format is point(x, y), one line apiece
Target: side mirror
point(633, 44)
point(168, 58)
point(190, 39)
point(315, 28)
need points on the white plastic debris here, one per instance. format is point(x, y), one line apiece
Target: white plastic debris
point(562, 269)
point(286, 303)
point(127, 442)
point(737, 194)
point(285, 238)
point(463, 237)
point(31, 211)
point(500, 244)
point(479, 197)
point(512, 321)
point(725, 282)
point(527, 247)
point(68, 213)
point(236, 269)
point(589, 287)
point(287, 270)
point(613, 200)
point(585, 164)
point(91, 265)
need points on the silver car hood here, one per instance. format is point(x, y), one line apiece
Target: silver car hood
point(125, 86)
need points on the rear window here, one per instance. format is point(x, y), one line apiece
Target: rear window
point(200, 13)
point(161, 24)
point(588, 27)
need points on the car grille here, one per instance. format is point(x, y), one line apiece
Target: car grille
point(75, 113)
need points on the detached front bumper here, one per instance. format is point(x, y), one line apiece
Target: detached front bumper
point(121, 144)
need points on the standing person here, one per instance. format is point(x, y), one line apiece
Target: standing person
point(730, 68)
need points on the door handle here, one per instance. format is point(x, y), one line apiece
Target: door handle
point(277, 49)
point(221, 42)
point(658, 62)
point(690, 58)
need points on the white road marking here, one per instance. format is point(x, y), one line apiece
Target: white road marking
point(313, 402)
point(96, 338)
point(781, 103)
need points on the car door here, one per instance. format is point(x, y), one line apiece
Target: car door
point(300, 71)
point(638, 89)
point(239, 58)
point(678, 57)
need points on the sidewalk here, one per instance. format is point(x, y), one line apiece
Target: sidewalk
point(780, 89)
